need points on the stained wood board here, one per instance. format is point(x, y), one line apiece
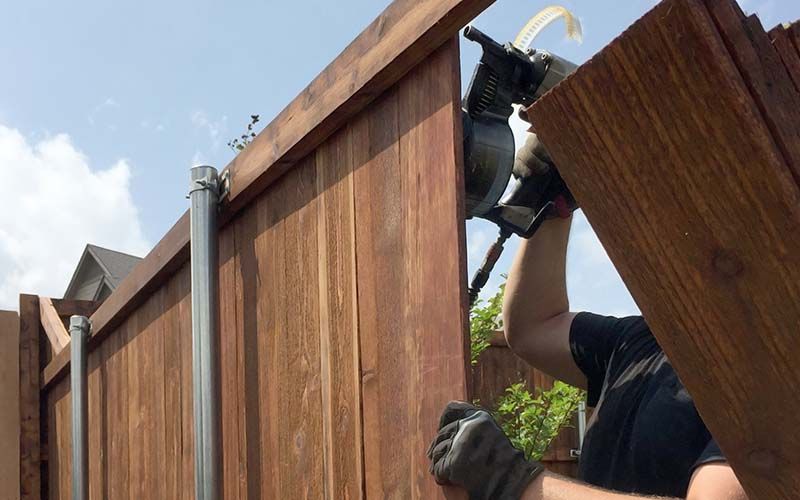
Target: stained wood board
point(411, 324)
point(790, 55)
point(29, 402)
point(686, 172)
point(52, 324)
point(336, 352)
point(9, 412)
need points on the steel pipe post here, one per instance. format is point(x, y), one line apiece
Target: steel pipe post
point(204, 196)
point(79, 334)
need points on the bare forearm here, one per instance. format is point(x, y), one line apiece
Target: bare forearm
point(537, 287)
point(550, 486)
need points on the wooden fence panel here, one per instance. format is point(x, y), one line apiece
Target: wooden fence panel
point(688, 173)
point(341, 288)
point(9, 412)
point(409, 251)
point(29, 398)
point(135, 383)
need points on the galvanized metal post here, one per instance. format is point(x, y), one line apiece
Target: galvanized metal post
point(576, 452)
point(204, 196)
point(581, 423)
point(79, 334)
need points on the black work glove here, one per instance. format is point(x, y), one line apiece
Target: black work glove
point(471, 451)
point(541, 182)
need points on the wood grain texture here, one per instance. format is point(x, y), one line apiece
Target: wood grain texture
point(187, 400)
point(115, 413)
point(764, 74)
point(52, 324)
point(60, 435)
point(338, 305)
point(9, 411)
point(270, 318)
point(176, 291)
point(29, 402)
point(228, 352)
point(411, 332)
point(254, 365)
point(96, 428)
point(379, 261)
point(794, 33)
point(682, 174)
point(301, 439)
point(790, 55)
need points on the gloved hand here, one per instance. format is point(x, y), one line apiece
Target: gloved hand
point(540, 181)
point(471, 451)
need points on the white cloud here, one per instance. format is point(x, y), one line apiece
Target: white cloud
point(214, 128)
point(54, 203)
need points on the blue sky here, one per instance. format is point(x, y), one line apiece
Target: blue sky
point(105, 105)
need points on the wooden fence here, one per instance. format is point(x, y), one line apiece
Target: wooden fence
point(342, 327)
point(342, 304)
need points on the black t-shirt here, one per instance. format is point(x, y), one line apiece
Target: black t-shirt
point(645, 435)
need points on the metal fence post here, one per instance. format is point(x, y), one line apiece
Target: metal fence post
point(204, 196)
point(79, 333)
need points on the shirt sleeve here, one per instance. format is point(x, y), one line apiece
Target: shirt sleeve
point(711, 453)
point(593, 339)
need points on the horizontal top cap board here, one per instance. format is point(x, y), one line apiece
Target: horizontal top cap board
point(672, 140)
point(405, 33)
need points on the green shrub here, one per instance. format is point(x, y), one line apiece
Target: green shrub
point(239, 143)
point(533, 421)
point(484, 320)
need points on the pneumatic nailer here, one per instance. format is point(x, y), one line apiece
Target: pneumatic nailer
point(504, 77)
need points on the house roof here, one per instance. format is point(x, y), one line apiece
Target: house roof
point(115, 265)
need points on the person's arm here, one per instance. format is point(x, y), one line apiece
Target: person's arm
point(536, 316)
point(549, 486)
point(714, 481)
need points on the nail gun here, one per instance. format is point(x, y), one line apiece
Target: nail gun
point(504, 77)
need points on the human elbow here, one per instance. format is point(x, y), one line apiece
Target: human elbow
point(517, 323)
